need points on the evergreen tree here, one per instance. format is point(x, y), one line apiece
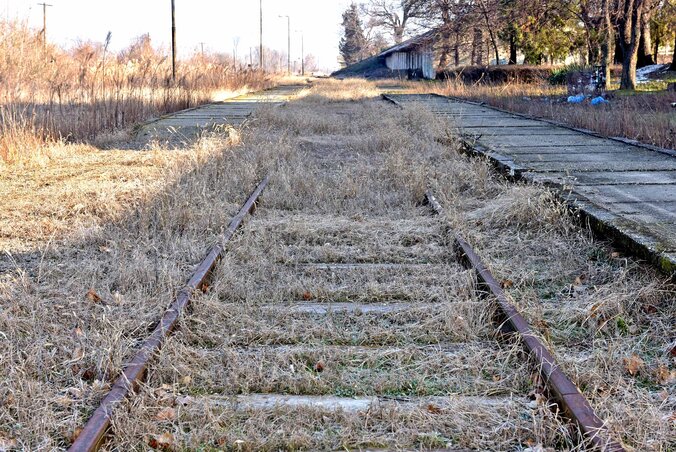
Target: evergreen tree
point(353, 44)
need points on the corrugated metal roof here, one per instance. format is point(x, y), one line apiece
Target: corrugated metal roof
point(413, 42)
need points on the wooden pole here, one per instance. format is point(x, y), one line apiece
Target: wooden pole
point(173, 41)
point(288, 35)
point(44, 25)
point(260, 50)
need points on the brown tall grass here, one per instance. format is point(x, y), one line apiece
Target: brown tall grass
point(76, 94)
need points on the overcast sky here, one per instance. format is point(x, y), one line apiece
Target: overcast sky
point(212, 22)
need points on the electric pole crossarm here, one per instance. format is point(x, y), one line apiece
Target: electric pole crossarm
point(44, 24)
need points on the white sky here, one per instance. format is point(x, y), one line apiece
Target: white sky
point(213, 22)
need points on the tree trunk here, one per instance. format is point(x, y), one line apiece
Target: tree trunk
point(445, 39)
point(512, 48)
point(630, 31)
point(398, 34)
point(645, 58)
point(618, 55)
point(456, 50)
point(608, 38)
point(477, 47)
point(673, 59)
point(490, 33)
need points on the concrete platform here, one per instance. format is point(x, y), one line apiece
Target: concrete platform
point(181, 128)
point(627, 191)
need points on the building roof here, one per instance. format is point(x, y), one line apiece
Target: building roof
point(416, 41)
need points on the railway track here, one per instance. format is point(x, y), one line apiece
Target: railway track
point(420, 364)
point(339, 322)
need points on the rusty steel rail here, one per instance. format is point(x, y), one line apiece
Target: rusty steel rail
point(573, 404)
point(96, 427)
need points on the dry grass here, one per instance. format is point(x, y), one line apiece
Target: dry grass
point(84, 92)
point(642, 116)
point(348, 178)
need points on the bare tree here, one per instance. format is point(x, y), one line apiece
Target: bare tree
point(629, 19)
point(606, 42)
point(395, 15)
point(645, 56)
point(489, 13)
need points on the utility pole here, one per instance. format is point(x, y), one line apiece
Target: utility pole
point(44, 25)
point(288, 35)
point(302, 51)
point(173, 41)
point(260, 50)
point(202, 47)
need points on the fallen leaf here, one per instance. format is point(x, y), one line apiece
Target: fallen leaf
point(506, 283)
point(74, 434)
point(7, 443)
point(433, 409)
point(664, 375)
point(615, 254)
point(593, 310)
point(89, 374)
point(496, 378)
point(649, 308)
point(580, 279)
point(633, 364)
point(166, 414)
point(77, 332)
point(319, 367)
point(185, 381)
point(93, 296)
point(307, 295)
point(165, 441)
point(78, 354)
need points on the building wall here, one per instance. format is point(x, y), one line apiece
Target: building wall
point(412, 60)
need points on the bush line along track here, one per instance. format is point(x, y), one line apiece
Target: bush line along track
point(94, 430)
point(560, 387)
